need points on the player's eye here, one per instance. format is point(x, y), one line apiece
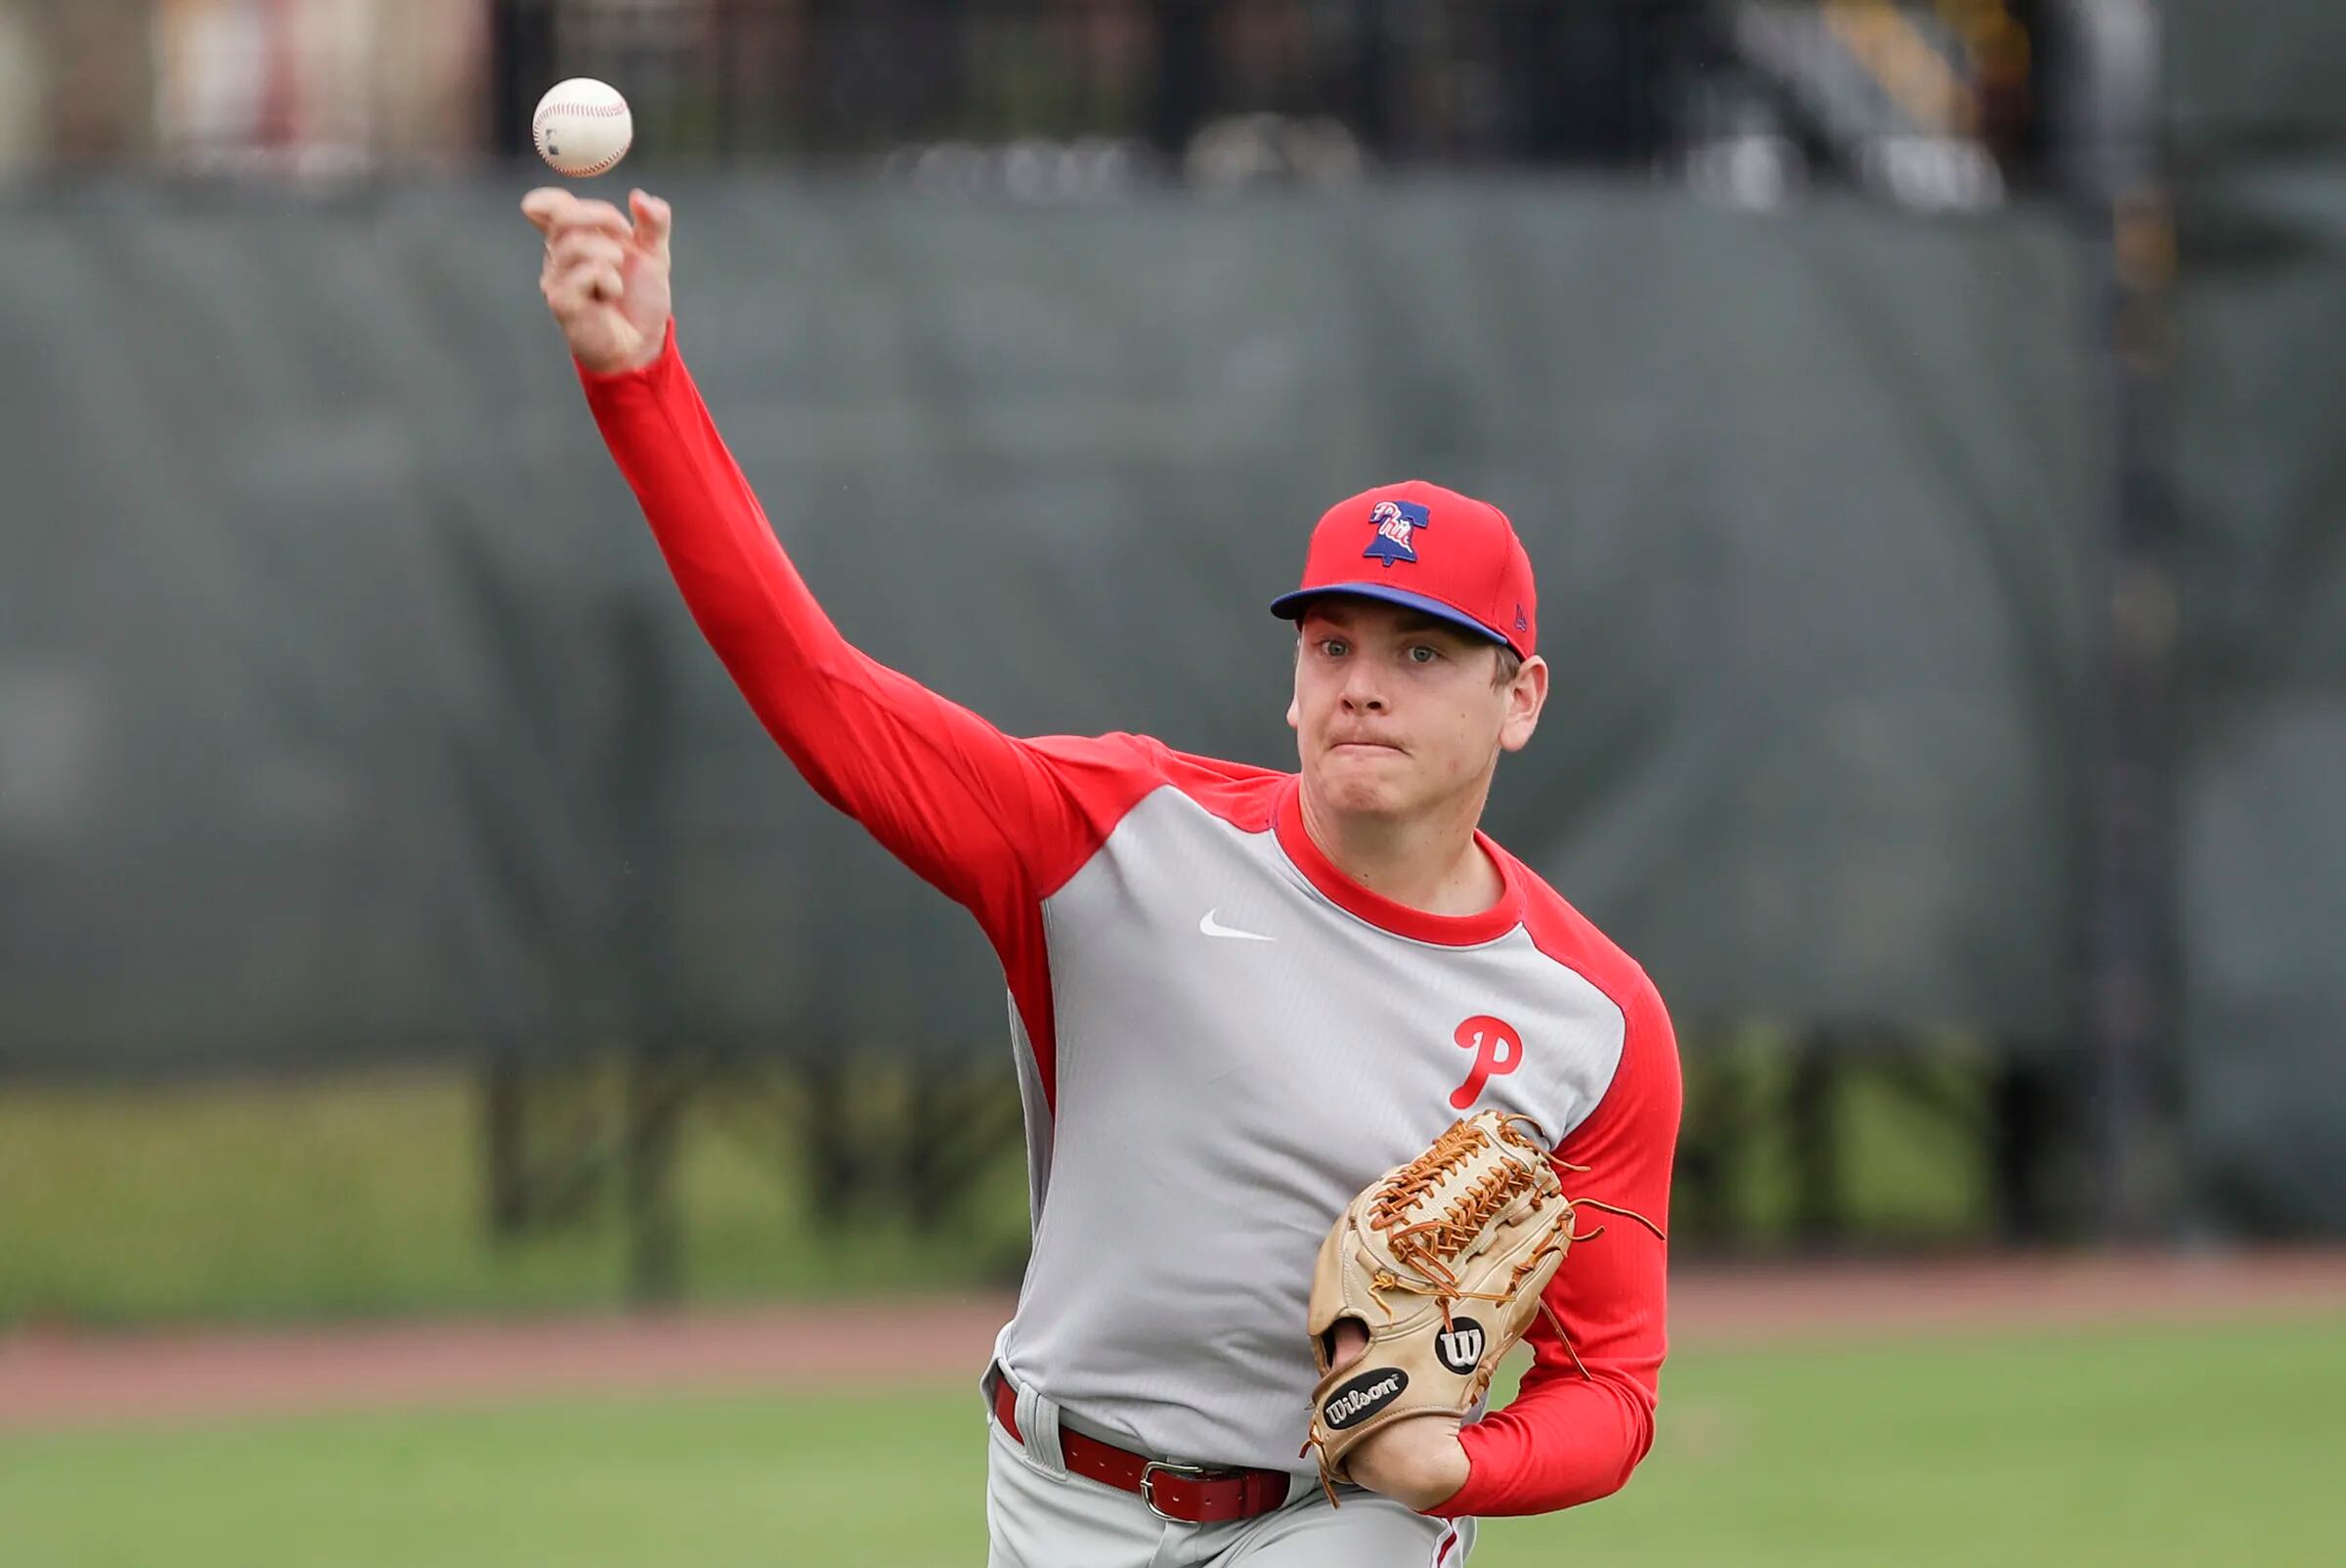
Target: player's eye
point(1423, 653)
point(1334, 647)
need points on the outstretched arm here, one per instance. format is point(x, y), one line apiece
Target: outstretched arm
point(987, 819)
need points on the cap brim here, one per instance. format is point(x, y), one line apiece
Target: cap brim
point(1290, 606)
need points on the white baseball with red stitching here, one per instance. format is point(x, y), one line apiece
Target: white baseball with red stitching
point(583, 127)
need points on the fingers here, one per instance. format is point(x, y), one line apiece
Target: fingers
point(586, 243)
point(545, 205)
point(584, 259)
point(573, 290)
point(554, 212)
point(568, 247)
point(591, 244)
point(581, 265)
point(654, 218)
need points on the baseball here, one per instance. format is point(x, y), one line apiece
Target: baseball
point(583, 127)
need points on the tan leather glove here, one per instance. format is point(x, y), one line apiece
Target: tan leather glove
point(1442, 1260)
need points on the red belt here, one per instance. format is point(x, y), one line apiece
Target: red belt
point(1188, 1494)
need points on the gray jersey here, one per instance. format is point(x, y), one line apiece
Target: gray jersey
point(1241, 1039)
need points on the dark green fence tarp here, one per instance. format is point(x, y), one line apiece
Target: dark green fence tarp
point(345, 711)
point(2258, 122)
point(2244, 73)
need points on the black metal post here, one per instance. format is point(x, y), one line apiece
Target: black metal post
point(521, 51)
point(655, 1231)
point(2129, 1001)
point(1184, 89)
point(2022, 1113)
point(1810, 1099)
point(501, 1146)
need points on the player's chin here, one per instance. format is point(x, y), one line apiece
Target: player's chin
point(1366, 783)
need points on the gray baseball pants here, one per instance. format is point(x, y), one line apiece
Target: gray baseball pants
point(1038, 1515)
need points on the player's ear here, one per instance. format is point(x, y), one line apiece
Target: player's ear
point(1527, 694)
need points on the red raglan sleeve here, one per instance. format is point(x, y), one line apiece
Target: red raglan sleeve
point(1566, 1439)
point(988, 819)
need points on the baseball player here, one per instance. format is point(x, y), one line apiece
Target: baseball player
point(1235, 994)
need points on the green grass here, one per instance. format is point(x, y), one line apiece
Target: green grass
point(2137, 1450)
point(2195, 1449)
point(362, 1194)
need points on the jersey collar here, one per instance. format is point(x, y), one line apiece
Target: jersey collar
point(1400, 918)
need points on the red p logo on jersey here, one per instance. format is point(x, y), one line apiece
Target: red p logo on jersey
point(1496, 1049)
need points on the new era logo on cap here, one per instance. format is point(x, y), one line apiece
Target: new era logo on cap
point(1434, 550)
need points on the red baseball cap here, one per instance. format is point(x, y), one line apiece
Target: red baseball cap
point(1433, 549)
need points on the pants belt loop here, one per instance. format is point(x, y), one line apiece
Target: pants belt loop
point(1038, 1425)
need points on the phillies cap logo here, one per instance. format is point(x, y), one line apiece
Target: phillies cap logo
point(1396, 521)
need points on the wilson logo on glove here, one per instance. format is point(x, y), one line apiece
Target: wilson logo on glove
point(1480, 1216)
point(1364, 1394)
point(1460, 1348)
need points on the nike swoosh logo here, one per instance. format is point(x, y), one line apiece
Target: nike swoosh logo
point(1214, 927)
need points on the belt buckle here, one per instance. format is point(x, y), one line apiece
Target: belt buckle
point(1196, 1472)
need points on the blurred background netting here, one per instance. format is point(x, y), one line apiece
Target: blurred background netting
point(1916, 413)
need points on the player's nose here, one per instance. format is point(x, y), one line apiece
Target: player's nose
point(1362, 694)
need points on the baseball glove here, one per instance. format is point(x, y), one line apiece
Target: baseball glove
point(1442, 1260)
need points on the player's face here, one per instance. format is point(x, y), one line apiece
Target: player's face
point(1397, 715)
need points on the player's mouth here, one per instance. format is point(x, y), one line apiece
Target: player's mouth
point(1355, 744)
